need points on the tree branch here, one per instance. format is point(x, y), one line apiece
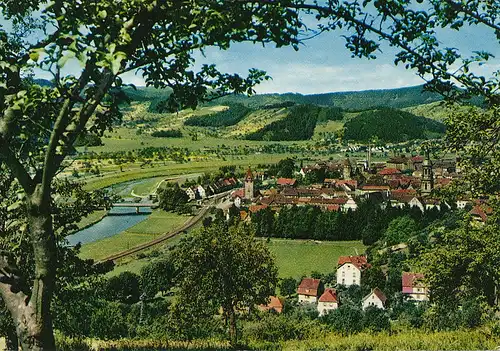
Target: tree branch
point(16, 167)
point(12, 288)
point(476, 16)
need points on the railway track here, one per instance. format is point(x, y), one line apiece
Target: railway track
point(187, 225)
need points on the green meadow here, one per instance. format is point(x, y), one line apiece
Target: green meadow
point(296, 258)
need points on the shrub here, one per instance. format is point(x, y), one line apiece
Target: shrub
point(376, 319)
point(275, 328)
point(169, 133)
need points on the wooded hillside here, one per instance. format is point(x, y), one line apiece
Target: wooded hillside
point(391, 125)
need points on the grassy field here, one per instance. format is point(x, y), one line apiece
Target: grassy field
point(470, 339)
point(147, 186)
point(157, 223)
point(329, 127)
point(126, 139)
point(296, 258)
point(134, 264)
point(419, 339)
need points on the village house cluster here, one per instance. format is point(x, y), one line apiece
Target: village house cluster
point(399, 182)
point(349, 271)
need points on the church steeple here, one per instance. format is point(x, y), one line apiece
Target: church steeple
point(249, 185)
point(427, 175)
point(347, 169)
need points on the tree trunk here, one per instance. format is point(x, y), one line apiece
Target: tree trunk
point(233, 331)
point(34, 322)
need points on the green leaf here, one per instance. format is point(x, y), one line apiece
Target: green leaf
point(34, 56)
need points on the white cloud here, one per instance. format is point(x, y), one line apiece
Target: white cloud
point(312, 78)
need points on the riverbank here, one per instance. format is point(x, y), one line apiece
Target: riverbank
point(93, 218)
point(156, 224)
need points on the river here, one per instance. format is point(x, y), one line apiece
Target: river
point(118, 220)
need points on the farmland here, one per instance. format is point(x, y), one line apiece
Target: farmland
point(294, 258)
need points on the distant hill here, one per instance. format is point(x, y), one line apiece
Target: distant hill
point(354, 101)
point(391, 125)
point(42, 82)
point(287, 117)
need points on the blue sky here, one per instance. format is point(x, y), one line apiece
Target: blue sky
point(323, 64)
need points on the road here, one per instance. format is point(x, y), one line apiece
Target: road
point(186, 226)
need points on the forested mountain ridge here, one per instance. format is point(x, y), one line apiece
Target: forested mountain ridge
point(391, 125)
point(355, 100)
point(290, 117)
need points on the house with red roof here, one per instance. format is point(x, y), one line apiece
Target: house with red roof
point(480, 213)
point(414, 286)
point(327, 301)
point(375, 298)
point(308, 290)
point(350, 268)
point(275, 304)
point(389, 171)
point(287, 182)
point(256, 208)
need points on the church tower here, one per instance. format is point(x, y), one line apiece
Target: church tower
point(427, 176)
point(347, 169)
point(249, 185)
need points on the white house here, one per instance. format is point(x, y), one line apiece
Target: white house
point(201, 191)
point(350, 204)
point(327, 302)
point(415, 202)
point(191, 193)
point(308, 290)
point(375, 298)
point(237, 201)
point(462, 203)
point(350, 268)
point(238, 196)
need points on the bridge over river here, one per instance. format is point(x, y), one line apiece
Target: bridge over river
point(137, 205)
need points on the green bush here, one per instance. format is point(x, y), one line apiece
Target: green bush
point(108, 321)
point(275, 328)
